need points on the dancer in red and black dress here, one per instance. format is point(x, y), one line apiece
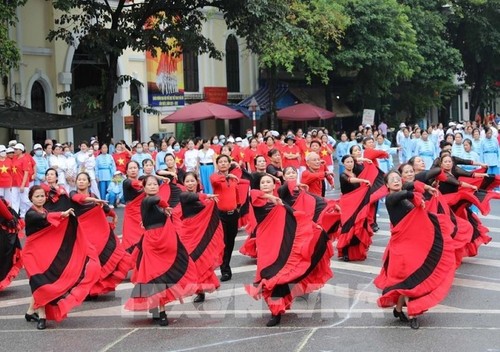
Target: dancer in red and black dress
point(200, 230)
point(460, 229)
point(133, 194)
point(164, 270)
point(293, 252)
point(60, 265)
point(91, 213)
point(318, 209)
point(10, 246)
point(418, 264)
point(355, 237)
point(460, 195)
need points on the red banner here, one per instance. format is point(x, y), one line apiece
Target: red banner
point(217, 95)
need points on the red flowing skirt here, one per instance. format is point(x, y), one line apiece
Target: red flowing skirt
point(419, 262)
point(164, 271)
point(115, 261)
point(132, 229)
point(61, 267)
point(203, 237)
point(461, 230)
point(355, 230)
point(294, 258)
point(460, 203)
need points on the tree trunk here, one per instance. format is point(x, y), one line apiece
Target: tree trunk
point(105, 129)
point(477, 94)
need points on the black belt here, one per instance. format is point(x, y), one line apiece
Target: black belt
point(206, 164)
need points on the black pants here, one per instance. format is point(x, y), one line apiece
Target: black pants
point(230, 228)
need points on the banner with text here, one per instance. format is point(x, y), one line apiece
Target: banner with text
point(165, 75)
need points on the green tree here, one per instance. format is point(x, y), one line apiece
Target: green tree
point(432, 83)
point(474, 27)
point(291, 36)
point(9, 53)
point(378, 50)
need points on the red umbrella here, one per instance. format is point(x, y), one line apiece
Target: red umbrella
point(202, 111)
point(304, 112)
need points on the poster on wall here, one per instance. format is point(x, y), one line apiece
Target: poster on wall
point(165, 75)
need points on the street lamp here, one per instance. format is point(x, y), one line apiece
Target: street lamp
point(254, 107)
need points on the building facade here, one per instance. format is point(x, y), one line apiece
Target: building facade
point(48, 68)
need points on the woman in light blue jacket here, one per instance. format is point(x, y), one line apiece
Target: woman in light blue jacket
point(104, 170)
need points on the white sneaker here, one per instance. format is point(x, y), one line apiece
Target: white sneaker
point(111, 207)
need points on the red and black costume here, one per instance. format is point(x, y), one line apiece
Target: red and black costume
point(10, 246)
point(200, 230)
point(294, 255)
point(114, 260)
point(459, 229)
point(357, 211)
point(164, 270)
point(419, 261)
point(317, 209)
point(133, 195)
point(57, 198)
point(61, 266)
point(460, 199)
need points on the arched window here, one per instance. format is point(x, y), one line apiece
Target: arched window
point(38, 104)
point(190, 62)
point(232, 64)
point(38, 97)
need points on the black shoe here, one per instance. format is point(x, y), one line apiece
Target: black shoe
point(402, 317)
point(375, 227)
point(41, 325)
point(345, 258)
point(30, 317)
point(156, 313)
point(414, 323)
point(275, 320)
point(225, 277)
point(163, 319)
point(200, 297)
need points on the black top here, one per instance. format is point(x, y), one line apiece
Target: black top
point(152, 215)
point(286, 196)
point(358, 168)
point(190, 204)
point(450, 185)
point(428, 176)
point(261, 212)
point(57, 201)
point(398, 205)
point(180, 175)
point(81, 209)
point(273, 170)
point(35, 221)
point(345, 185)
point(129, 192)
